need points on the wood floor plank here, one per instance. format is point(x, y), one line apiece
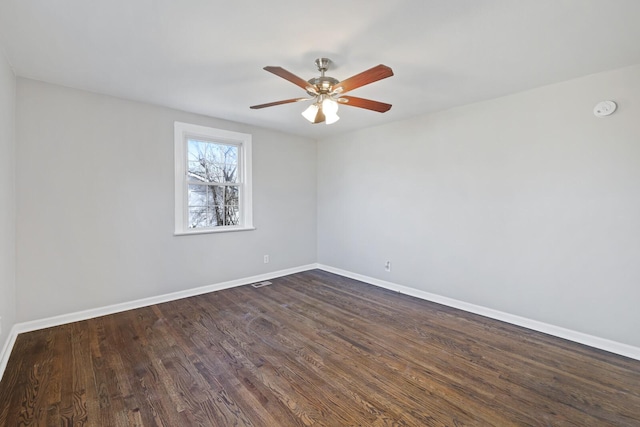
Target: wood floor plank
point(312, 349)
point(352, 359)
point(293, 363)
point(382, 356)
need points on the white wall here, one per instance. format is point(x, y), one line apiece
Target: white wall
point(95, 204)
point(526, 204)
point(7, 199)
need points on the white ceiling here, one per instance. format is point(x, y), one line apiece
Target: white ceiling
point(206, 56)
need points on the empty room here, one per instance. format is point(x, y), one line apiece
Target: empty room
point(350, 213)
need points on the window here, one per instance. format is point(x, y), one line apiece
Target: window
point(213, 180)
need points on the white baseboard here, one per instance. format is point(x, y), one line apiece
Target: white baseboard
point(6, 349)
point(579, 337)
point(145, 302)
point(557, 331)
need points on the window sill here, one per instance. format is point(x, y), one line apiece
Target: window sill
point(211, 231)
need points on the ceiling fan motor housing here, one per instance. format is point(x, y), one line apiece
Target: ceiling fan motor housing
point(323, 84)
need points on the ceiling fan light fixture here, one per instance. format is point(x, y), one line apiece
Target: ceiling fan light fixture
point(330, 119)
point(325, 109)
point(330, 109)
point(311, 112)
point(314, 113)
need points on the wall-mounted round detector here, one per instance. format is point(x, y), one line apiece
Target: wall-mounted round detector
point(604, 108)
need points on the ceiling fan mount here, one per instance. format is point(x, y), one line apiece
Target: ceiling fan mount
point(322, 84)
point(322, 64)
point(327, 92)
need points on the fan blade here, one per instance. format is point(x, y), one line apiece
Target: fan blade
point(364, 78)
point(287, 75)
point(271, 104)
point(368, 104)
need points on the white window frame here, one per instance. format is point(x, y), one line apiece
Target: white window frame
point(184, 131)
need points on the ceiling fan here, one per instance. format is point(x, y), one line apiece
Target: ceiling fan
point(327, 92)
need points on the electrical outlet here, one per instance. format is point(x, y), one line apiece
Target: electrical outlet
point(266, 259)
point(387, 266)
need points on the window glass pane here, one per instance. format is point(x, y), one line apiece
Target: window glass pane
point(215, 195)
point(231, 195)
point(200, 204)
point(198, 217)
point(232, 215)
point(218, 213)
point(198, 195)
point(195, 159)
point(211, 162)
point(230, 173)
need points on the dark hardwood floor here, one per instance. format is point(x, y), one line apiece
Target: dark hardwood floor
point(311, 349)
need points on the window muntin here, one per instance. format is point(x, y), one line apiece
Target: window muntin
point(213, 180)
